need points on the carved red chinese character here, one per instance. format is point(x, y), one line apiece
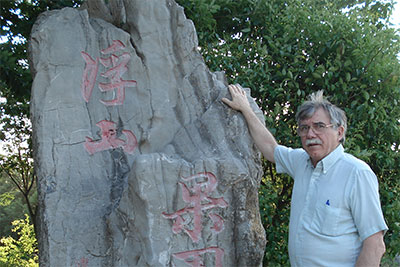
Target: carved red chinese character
point(117, 67)
point(109, 139)
point(193, 258)
point(89, 75)
point(198, 200)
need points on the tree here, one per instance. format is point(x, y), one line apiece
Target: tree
point(12, 206)
point(17, 165)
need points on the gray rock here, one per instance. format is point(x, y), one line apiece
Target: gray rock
point(138, 161)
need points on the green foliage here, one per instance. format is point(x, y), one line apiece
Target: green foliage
point(283, 51)
point(12, 205)
point(6, 199)
point(274, 204)
point(16, 170)
point(20, 252)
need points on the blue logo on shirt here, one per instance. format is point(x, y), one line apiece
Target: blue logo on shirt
point(327, 203)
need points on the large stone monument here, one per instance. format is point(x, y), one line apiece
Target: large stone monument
point(138, 161)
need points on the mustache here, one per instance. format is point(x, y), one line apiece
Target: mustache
point(313, 142)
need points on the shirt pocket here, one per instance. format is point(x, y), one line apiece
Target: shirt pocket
point(326, 220)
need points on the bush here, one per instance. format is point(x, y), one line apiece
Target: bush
point(21, 252)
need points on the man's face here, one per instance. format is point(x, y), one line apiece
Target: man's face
point(319, 145)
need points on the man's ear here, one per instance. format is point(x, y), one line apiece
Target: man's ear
point(340, 132)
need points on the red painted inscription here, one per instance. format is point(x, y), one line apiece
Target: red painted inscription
point(109, 139)
point(193, 258)
point(117, 66)
point(198, 200)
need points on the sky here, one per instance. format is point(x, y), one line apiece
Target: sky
point(396, 15)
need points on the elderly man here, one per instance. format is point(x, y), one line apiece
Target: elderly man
point(336, 217)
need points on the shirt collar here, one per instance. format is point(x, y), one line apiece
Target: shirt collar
point(330, 159)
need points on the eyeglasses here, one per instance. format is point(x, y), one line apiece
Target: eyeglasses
point(317, 127)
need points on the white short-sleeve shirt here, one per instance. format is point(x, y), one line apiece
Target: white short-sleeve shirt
point(334, 208)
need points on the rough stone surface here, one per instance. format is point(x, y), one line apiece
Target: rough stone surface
point(138, 161)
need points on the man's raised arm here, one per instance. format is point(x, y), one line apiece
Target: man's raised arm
point(264, 140)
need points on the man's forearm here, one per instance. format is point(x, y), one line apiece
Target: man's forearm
point(372, 251)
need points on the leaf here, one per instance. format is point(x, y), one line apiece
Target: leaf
point(6, 199)
point(316, 75)
point(347, 63)
point(365, 95)
point(348, 76)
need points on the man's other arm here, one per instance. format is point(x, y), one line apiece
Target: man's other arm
point(263, 139)
point(372, 251)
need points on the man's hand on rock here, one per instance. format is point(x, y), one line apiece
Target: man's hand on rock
point(239, 100)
